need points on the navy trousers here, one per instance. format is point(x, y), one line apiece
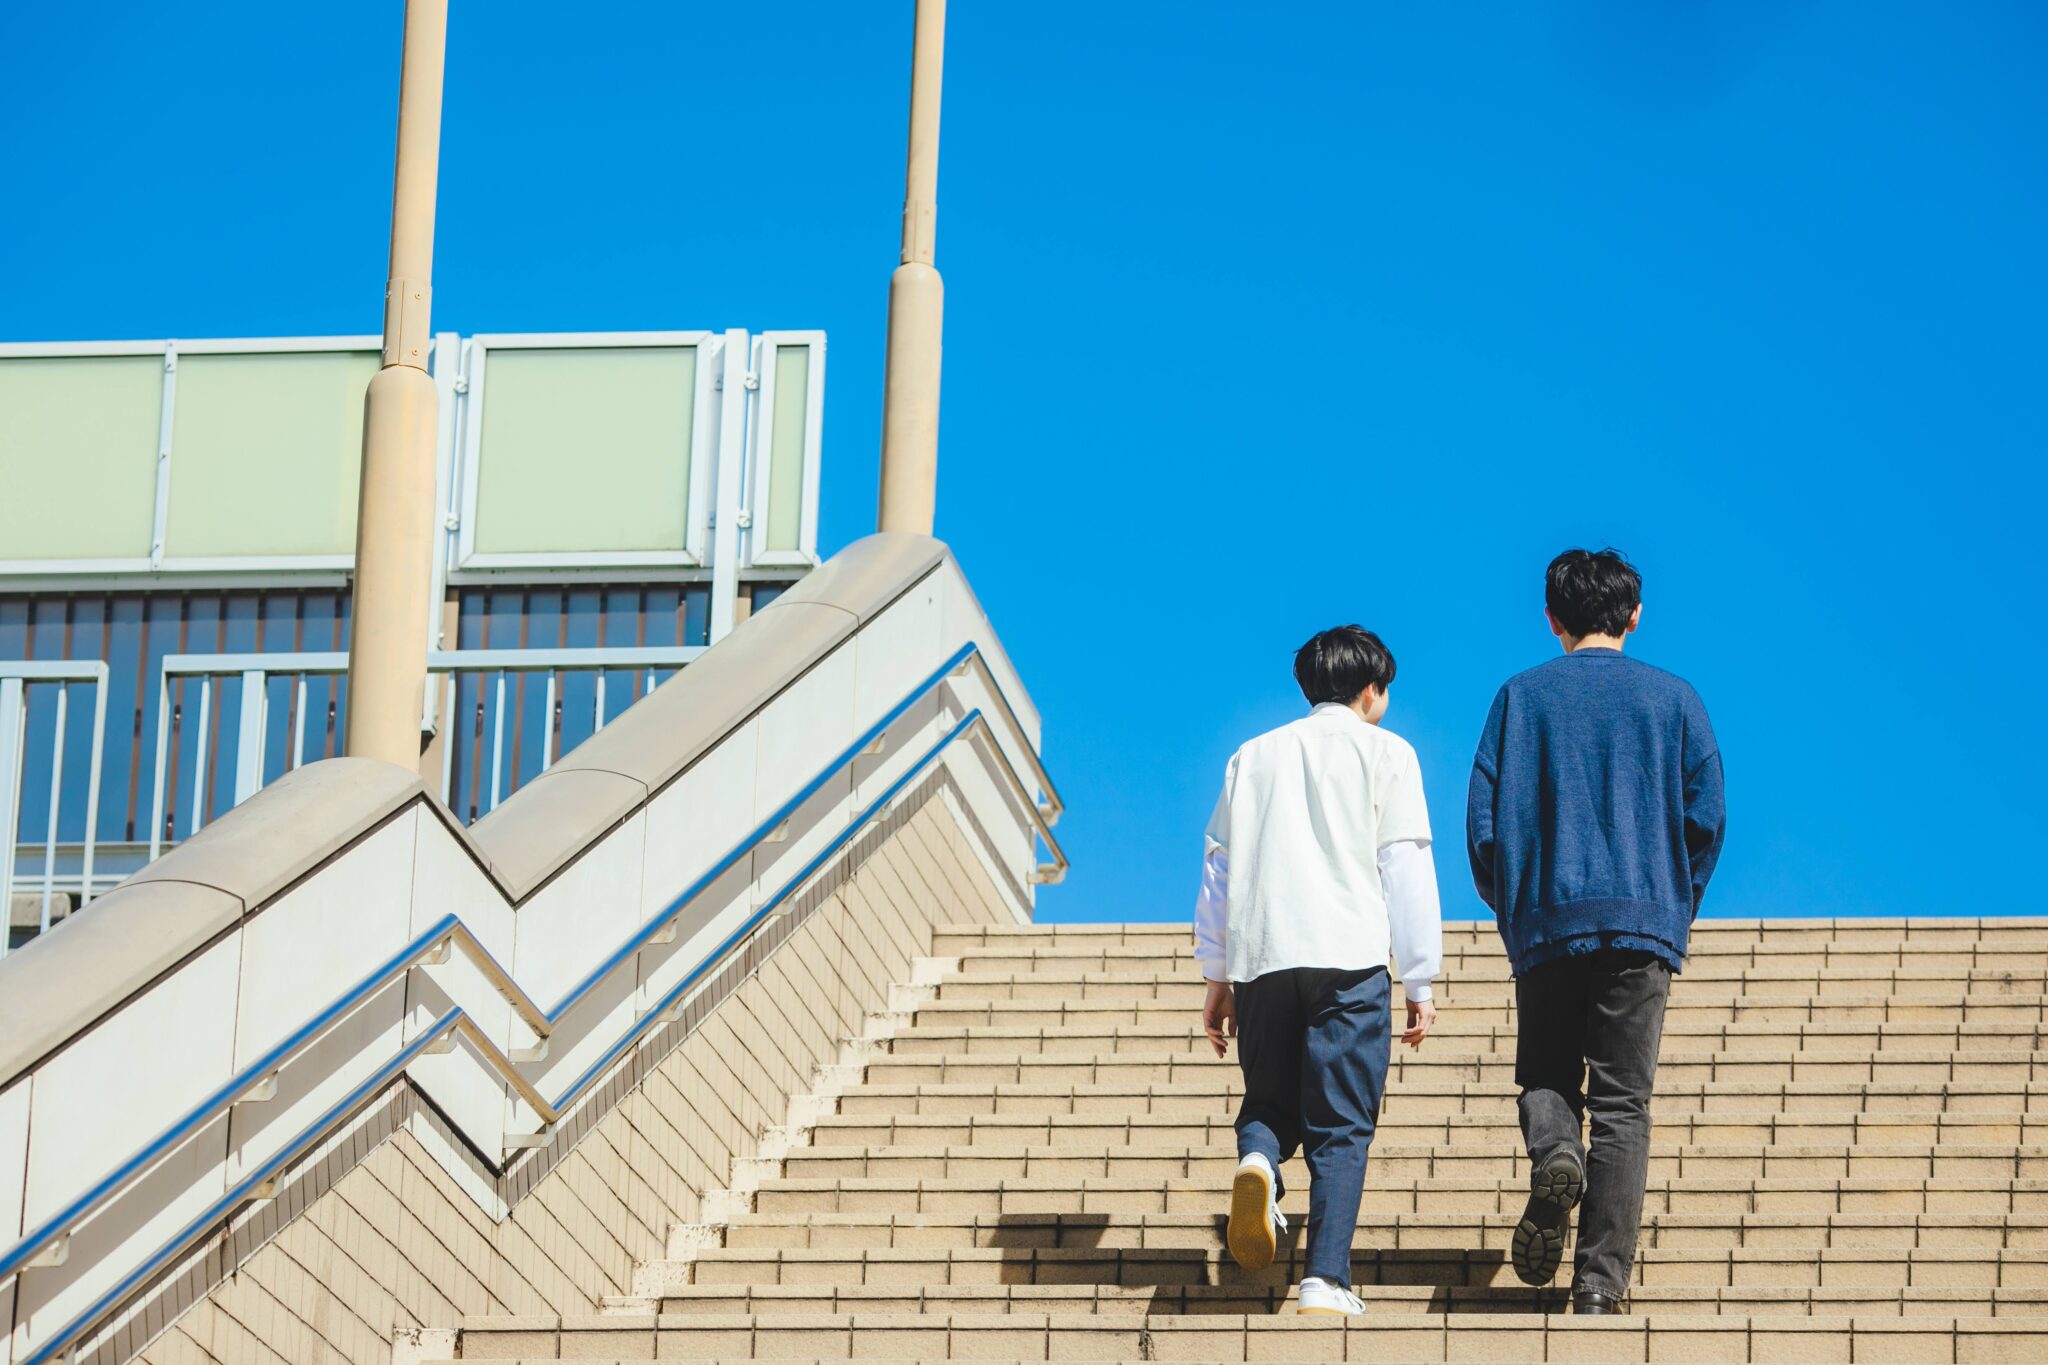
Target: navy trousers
point(1314, 1046)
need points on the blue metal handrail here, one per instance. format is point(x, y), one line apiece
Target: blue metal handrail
point(431, 947)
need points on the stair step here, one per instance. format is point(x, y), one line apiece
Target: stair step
point(1778, 1267)
point(1125, 1196)
point(1148, 1060)
point(1489, 1230)
point(1392, 1161)
point(1400, 1122)
point(1019, 980)
point(1222, 1088)
point(1462, 1036)
point(1177, 1300)
point(2006, 931)
point(1151, 1001)
point(1707, 960)
point(1691, 1337)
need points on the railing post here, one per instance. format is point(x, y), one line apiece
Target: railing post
point(910, 387)
point(729, 497)
point(395, 518)
point(249, 738)
point(11, 718)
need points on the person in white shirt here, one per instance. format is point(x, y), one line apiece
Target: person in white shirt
point(1317, 868)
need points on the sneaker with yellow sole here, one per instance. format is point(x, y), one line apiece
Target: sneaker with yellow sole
point(1255, 1218)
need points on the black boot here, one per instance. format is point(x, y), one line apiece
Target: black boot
point(1596, 1301)
point(1554, 1190)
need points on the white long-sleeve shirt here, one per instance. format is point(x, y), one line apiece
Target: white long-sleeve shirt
point(1318, 856)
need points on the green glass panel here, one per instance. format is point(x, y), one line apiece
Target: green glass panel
point(78, 441)
point(585, 450)
point(786, 455)
point(265, 454)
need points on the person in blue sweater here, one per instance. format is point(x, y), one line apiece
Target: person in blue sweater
point(1593, 822)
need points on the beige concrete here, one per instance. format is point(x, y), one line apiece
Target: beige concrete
point(395, 537)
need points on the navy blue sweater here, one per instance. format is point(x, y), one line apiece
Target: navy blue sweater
point(1595, 812)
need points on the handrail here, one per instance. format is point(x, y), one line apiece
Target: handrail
point(48, 1243)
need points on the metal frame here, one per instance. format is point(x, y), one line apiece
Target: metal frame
point(702, 433)
point(761, 449)
point(158, 559)
point(255, 671)
point(46, 1243)
point(14, 677)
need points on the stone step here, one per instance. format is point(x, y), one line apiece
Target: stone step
point(1219, 1089)
point(1255, 1300)
point(1121, 1196)
point(1376, 1228)
point(1954, 961)
point(1395, 1160)
point(1402, 1123)
point(1150, 998)
point(2005, 932)
point(1491, 981)
point(1455, 1034)
point(1777, 1267)
point(1696, 1338)
point(1146, 1063)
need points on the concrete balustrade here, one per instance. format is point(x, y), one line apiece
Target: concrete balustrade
point(119, 1024)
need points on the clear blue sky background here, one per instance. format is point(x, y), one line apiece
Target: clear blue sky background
point(1259, 320)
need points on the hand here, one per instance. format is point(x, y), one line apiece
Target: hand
point(1421, 1019)
point(1219, 1016)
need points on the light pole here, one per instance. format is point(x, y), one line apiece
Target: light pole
point(387, 657)
point(910, 398)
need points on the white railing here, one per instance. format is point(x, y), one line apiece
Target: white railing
point(15, 678)
point(251, 726)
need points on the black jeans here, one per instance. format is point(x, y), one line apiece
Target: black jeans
point(1588, 1029)
point(1314, 1045)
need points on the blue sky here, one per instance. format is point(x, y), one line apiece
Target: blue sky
point(1255, 325)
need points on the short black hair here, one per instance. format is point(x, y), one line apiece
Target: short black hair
point(1592, 592)
point(1338, 664)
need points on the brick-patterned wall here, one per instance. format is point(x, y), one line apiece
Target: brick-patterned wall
point(378, 1235)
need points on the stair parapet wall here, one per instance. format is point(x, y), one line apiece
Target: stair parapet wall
point(186, 975)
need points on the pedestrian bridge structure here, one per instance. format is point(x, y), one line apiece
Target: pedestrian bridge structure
point(729, 1036)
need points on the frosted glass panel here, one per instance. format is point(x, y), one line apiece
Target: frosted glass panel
point(78, 438)
point(265, 453)
point(786, 456)
point(585, 450)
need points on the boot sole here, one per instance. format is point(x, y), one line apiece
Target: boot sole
point(1538, 1248)
point(1250, 1235)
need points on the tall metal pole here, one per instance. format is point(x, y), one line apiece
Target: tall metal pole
point(387, 659)
point(910, 399)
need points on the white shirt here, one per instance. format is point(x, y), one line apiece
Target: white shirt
point(1318, 856)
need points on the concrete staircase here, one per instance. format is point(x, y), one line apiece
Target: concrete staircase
point(1027, 1158)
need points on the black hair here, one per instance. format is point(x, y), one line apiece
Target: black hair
point(1338, 664)
point(1592, 593)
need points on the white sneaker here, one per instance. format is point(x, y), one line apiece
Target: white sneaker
point(1320, 1296)
point(1255, 1218)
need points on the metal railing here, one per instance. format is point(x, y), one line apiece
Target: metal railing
point(15, 676)
point(48, 1243)
point(252, 721)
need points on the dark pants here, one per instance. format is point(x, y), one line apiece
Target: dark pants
point(1588, 1031)
point(1314, 1046)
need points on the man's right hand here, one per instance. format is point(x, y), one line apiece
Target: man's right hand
point(1219, 1016)
point(1421, 1019)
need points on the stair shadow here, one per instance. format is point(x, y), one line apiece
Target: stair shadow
point(1067, 1249)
